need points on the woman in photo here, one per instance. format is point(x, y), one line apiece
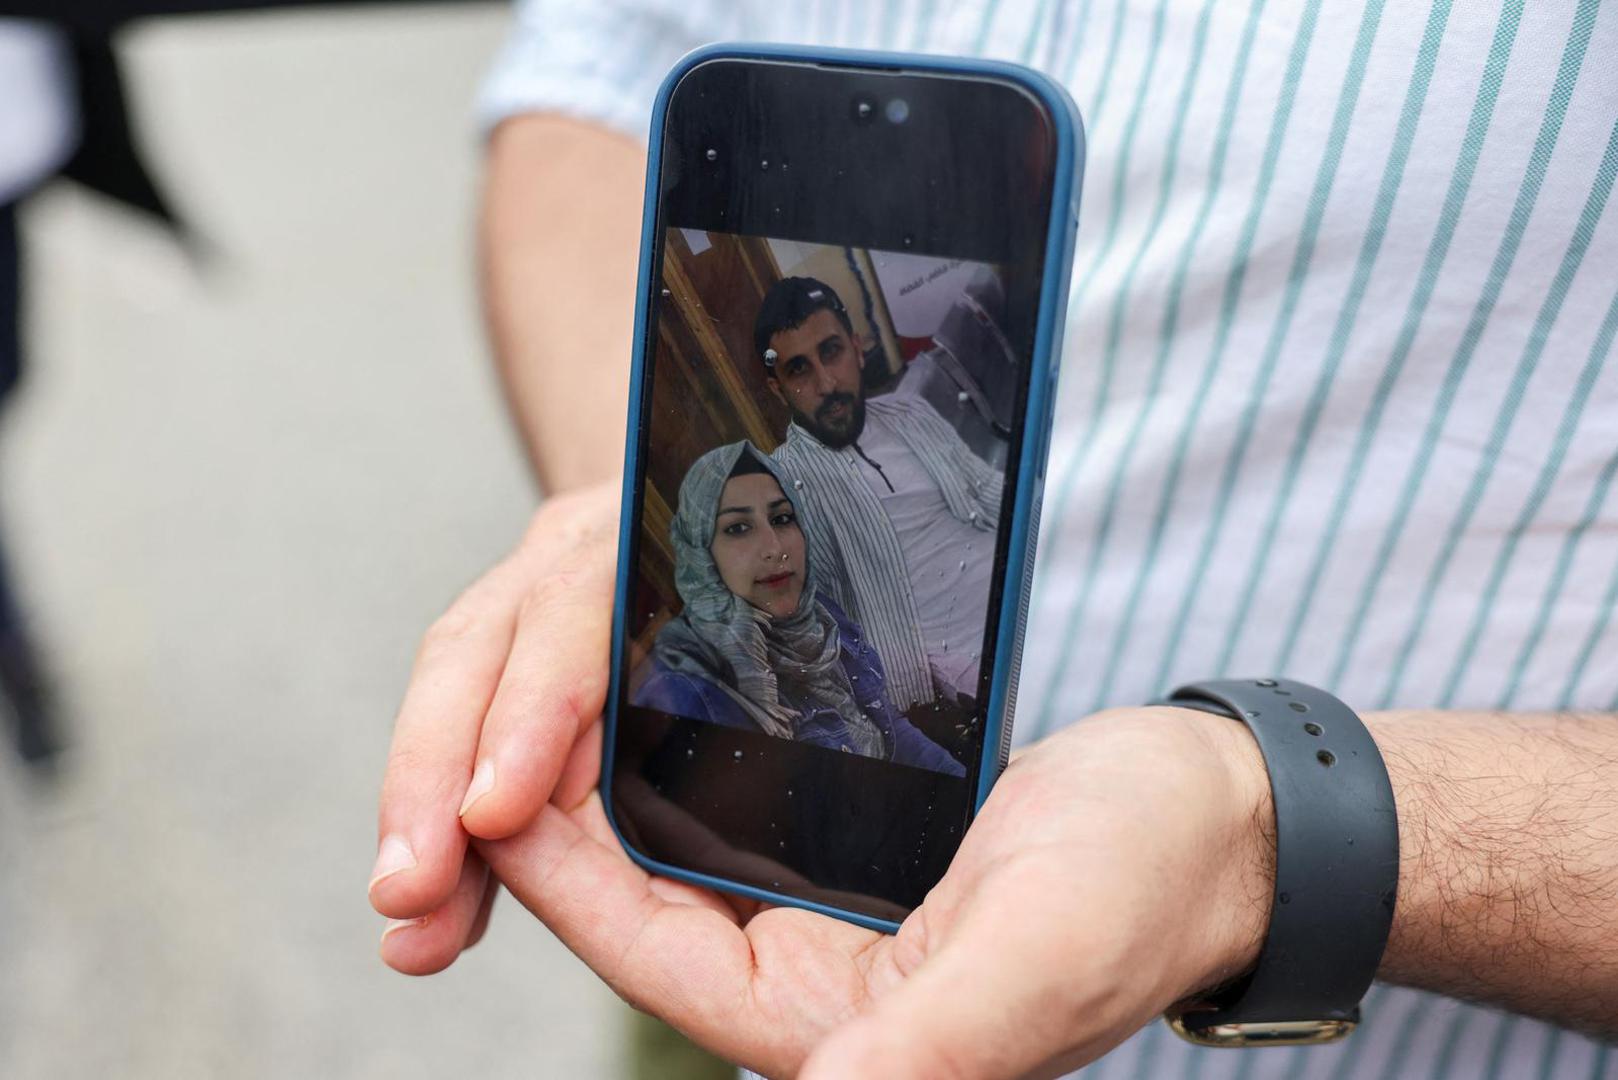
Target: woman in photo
point(758, 645)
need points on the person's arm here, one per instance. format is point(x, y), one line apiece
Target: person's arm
point(1508, 879)
point(559, 241)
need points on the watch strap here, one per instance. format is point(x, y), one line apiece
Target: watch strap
point(1336, 867)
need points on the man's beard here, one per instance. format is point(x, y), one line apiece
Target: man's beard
point(835, 434)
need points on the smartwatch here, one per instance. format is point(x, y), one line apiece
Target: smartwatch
point(1336, 869)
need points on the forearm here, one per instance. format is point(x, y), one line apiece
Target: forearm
point(1508, 881)
point(559, 241)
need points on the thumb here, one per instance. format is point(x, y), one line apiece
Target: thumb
point(986, 1005)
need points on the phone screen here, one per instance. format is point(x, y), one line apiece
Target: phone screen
point(832, 407)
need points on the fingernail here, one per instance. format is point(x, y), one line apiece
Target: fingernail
point(394, 856)
point(401, 924)
point(482, 784)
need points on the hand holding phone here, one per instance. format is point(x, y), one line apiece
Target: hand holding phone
point(1041, 945)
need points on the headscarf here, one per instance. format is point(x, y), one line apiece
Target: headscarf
point(720, 634)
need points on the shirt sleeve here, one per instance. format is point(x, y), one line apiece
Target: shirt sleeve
point(600, 61)
point(986, 482)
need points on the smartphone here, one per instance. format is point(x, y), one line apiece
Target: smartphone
point(852, 290)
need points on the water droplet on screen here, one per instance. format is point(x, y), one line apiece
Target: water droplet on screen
point(789, 793)
point(667, 293)
point(782, 845)
point(854, 678)
point(764, 163)
point(962, 397)
point(690, 753)
point(797, 485)
point(737, 756)
point(963, 564)
point(712, 155)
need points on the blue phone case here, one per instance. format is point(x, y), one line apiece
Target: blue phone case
point(1019, 573)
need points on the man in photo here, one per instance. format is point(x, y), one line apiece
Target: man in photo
point(901, 512)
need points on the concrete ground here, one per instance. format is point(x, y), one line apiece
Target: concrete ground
point(234, 496)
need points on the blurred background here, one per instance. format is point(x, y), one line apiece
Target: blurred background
point(232, 495)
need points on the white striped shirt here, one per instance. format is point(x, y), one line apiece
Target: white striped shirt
point(856, 547)
point(1337, 400)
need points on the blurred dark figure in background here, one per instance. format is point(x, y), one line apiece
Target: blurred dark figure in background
point(63, 112)
point(22, 686)
point(38, 133)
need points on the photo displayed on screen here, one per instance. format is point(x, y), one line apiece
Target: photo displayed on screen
point(822, 498)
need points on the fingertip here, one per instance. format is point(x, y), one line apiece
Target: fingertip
point(481, 785)
point(430, 941)
point(422, 946)
point(414, 878)
point(505, 796)
point(494, 819)
point(395, 855)
point(400, 899)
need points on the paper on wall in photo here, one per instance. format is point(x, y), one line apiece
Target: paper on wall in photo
point(920, 289)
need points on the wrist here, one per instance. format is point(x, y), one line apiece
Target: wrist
point(1188, 795)
point(1241, 852)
